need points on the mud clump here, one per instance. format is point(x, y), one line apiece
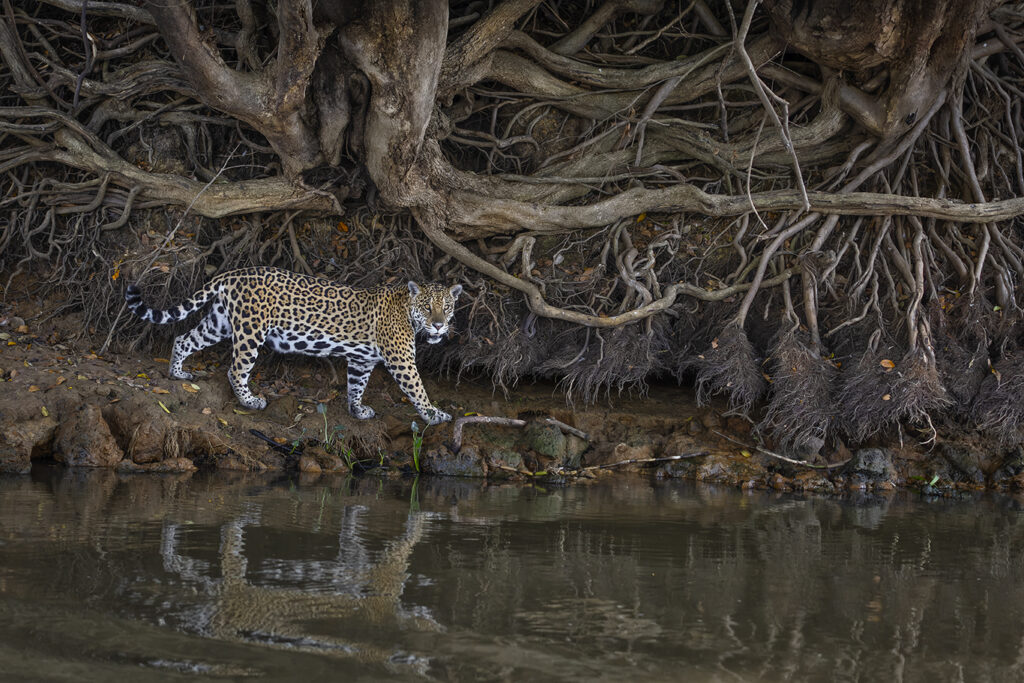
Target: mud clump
point(85, 440)
point(21, 442)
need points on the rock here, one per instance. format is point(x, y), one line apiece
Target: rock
point(309, 465)
point(871, 461)
point(84, 440)
point(734, 470)
point(171, 465)
point(467, 463)
point(623, 452)
point(501, 456)
point(808, 447)
point(813, 480)
point(710, 420)
point(870, 466)
point(146, 444)
point(574, 449)
point(330, 463)
point(547, 440)
point(965, 463)
point(22, 441)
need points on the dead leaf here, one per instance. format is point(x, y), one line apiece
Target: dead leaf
point(714, 343)
point(22, 329)
point(887, 364)
point(33, 388)
point(46, 413)
point(166, 409)
point(190, 388)
point(61, 380)
point(239, 411)
point(159, 390)
point(142, 375)
point(207, 411)
point(745, 453)
point(222, 421)
point(161, 360)
point(887, 397)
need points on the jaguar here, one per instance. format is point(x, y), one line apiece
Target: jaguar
point(294, 313)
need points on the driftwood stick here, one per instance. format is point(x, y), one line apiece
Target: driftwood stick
point(772, 454)
point(471, 419)
point(568, 429)
point(645, 461)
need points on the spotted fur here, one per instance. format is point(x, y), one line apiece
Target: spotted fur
point(292, 313)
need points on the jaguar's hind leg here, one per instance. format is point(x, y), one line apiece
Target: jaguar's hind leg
point(358, 376)
point(243, 358)
point(211, 330)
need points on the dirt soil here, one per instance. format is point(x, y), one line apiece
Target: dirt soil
point(59, 401)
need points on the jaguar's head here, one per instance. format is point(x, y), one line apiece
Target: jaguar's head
point(433, 306)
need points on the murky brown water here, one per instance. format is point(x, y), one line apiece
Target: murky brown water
point(148, 578)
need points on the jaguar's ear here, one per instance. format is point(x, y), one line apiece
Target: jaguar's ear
point(456, 290)
point(414, 289)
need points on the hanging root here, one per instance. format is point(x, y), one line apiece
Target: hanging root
point(998, 409)
point(802, 409)
point(730, 367)
point(878, 393)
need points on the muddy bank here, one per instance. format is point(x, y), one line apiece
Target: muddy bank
point(124, 412)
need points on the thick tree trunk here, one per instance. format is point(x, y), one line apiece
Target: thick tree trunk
point(922, 44)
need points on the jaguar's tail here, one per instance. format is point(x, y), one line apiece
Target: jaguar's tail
point(171, 315)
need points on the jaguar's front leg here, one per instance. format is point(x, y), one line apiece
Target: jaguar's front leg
point(358, 376)
point(408, 378)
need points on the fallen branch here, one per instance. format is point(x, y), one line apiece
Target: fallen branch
point(567, 429)
point(645, 461)
point(456, 444)
point(772, 454)
point(581, 472)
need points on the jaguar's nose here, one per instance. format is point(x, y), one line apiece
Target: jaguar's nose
point(438, 326)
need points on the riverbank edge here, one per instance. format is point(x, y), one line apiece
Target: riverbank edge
point(123, 412)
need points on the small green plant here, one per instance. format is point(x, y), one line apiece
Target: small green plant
point(417, 443)
point(328, 435)
point(345, 451)
point(334, 441)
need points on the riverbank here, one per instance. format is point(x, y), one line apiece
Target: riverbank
point(63, 403)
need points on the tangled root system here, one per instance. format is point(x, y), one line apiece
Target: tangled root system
point(997, 409)
point(802, 408)
point(730, 367)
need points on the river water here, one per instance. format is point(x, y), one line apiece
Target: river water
point(106, 577)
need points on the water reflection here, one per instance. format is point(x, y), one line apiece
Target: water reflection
point(234, 575)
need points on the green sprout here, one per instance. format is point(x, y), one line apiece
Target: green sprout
point(417, 443)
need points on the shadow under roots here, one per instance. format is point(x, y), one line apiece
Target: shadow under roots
point(998, 408)
point(877, 393)
point(801, 411)
point(730, 367)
